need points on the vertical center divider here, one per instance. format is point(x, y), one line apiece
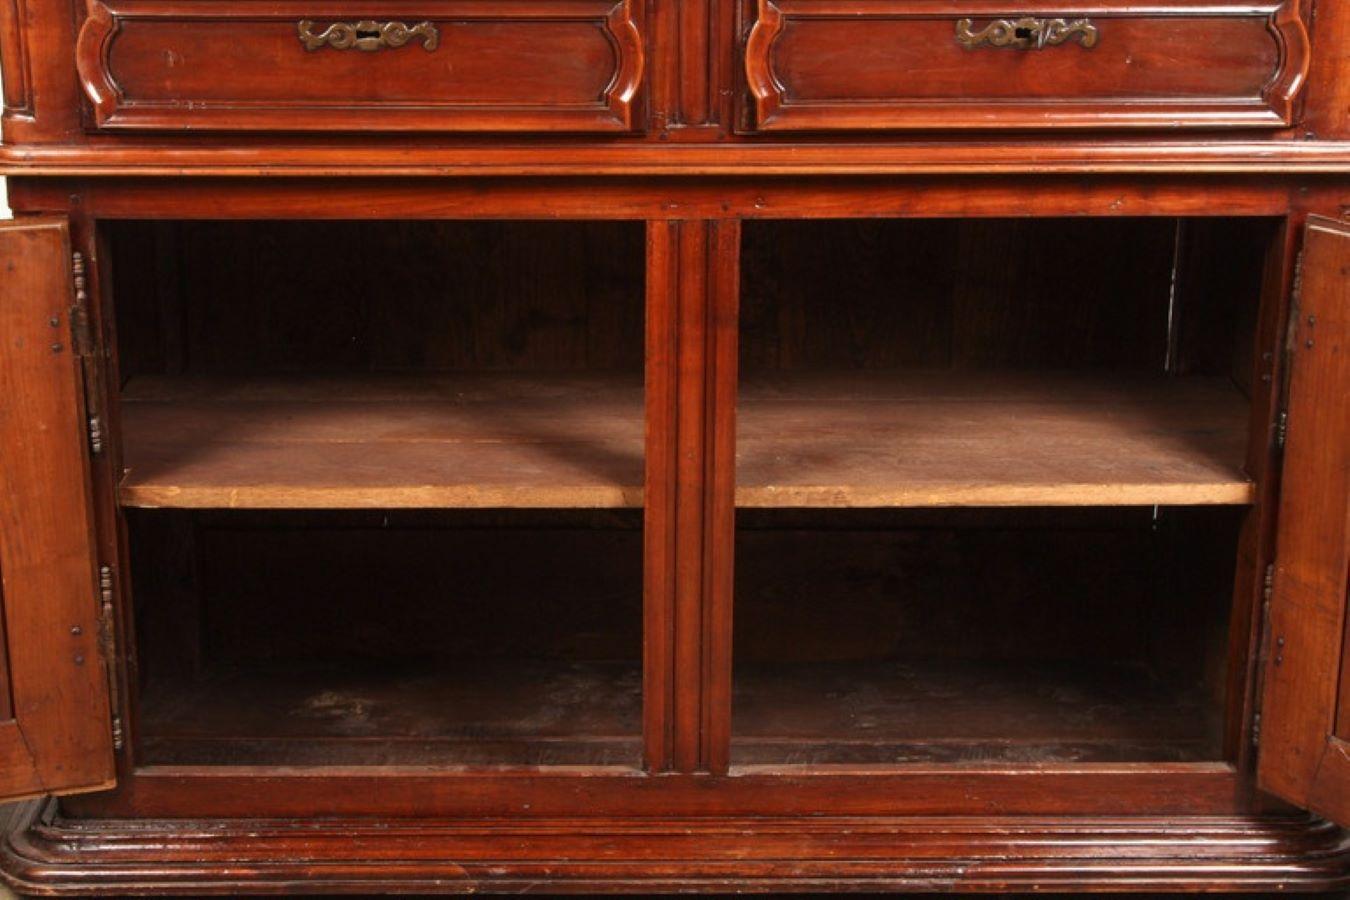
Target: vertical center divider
point(689, 498)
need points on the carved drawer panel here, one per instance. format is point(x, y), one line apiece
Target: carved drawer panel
point(939, 64)
point(436, 65)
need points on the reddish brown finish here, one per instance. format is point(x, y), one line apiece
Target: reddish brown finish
point(761, 854)
point(624, 198)
point(692, 296)
point(232, 792)
point(699, 118)
point(57, 738)
point(373, 158)
point(1303, 758)
point(546, 65)
point(844, 64)
point(1327, 111)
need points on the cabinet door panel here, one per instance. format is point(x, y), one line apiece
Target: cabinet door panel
point(1305, 736)
point(54, 734)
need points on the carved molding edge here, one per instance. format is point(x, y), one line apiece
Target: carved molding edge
point(621, 30)
point(1290, 32)
point(765, 88)
point(91, 60)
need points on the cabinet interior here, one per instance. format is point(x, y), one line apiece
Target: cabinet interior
point(383, 489)
point(383, 484)
point(991, 476)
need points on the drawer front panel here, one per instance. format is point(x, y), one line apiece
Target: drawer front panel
point(890, 64)
point(474, 65)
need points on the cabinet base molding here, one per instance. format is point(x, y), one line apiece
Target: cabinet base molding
point(45, 853)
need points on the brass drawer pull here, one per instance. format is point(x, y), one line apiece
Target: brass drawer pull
point(368, 35)
point(1027, 33)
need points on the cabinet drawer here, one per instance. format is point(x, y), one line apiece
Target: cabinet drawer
point(452, 65)
point(938, 64)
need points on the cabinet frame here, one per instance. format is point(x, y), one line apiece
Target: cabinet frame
point(691, 289)
point(685, 718)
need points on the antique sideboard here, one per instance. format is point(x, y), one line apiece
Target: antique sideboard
point(675, 445)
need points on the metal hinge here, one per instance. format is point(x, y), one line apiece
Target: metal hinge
point(1263, 650)
point(85, 347)
point(107, 645)
point(1295, 302)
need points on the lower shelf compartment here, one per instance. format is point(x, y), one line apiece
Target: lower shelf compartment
point(876, 713)
point(482, 713)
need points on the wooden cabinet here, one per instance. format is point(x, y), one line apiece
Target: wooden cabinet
point(695, 506)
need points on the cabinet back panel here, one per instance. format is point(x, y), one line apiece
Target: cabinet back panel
point(994, 636)
point(999, 293)
point(400, 585)
point(273, 296)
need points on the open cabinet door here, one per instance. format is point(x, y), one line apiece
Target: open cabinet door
point(1305, 732)
point(55, 733)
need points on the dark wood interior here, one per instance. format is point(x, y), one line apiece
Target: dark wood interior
point(1007, 362)
point(671, 446)
point(971, 363)
point(343, 638)
point(996, 636)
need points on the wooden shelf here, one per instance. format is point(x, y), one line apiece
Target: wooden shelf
point(479, 441)
point(967, 711)
point(808, 440)
point(990, 439)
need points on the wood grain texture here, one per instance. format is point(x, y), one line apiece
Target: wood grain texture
point(901, 439)
point(838, 64)
point(1304, 657)
point(370, 442)
point(954, 439)
point(714, 855)
point(918, 790)
point(344, 157)
point(57, 677)
point(416, 297)
point(547, 65)
point(970, 711)
point(1327, 112)
point(514, 713)
point(691, 362)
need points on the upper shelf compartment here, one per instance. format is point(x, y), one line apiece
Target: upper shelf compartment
point(921, 64)
point(432, 65)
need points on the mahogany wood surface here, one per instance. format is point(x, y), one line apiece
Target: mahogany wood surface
point(56, 737)
point(417, 442)
point(567, 65)
point(762, 854)
point(824, 440)
point(1055, 281)
point(944, 439)
point(1304, 760)
point(836, 64)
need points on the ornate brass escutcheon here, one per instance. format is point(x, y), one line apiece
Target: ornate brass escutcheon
point(1028, 33)
point(368, 35)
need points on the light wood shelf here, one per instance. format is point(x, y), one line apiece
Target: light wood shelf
point(576, 441)
point(384, 442)
point(927, 439)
